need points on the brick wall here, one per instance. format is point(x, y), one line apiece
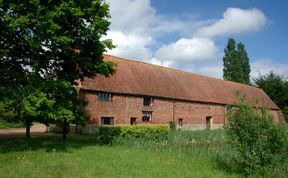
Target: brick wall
point(122, 108)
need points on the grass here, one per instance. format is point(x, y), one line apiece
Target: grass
point(6, 125)
point(183, 154)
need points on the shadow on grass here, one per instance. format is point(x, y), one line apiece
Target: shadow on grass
point(51, 143)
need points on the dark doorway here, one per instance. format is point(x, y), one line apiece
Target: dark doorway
point(133, 121)
point(180, 121)
point(209, 122)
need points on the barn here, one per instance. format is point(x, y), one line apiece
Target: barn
point(142, 93)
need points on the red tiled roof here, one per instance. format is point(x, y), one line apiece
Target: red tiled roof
point(139, 78)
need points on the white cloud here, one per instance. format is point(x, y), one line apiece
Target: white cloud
point(188, 50)
point(138, 16)
point(136, 27)
point(131, 15)
point(264, 66)
point(130, 45)
point(234, 21)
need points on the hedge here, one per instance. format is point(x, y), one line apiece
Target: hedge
point(110, 134)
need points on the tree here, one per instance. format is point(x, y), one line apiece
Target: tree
point(256, 138)
point(276, 86)
point(53, 40)
point(236, 63)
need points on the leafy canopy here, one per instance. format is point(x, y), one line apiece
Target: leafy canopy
point(236, 63)
point(47, 45)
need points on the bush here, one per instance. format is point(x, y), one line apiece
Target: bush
point(172, 126)
point(285, 113)
point(110, 134)
point(254, 135)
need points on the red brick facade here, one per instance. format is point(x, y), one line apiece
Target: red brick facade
point(191, 100)
point(124, 107)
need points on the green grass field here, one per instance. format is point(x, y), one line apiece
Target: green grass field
point(183, 154)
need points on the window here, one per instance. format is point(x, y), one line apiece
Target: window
point(180, 121)
point(148, 101)
point(147, 116)
point(107, 120)
point(104, 96)
point(133, 121)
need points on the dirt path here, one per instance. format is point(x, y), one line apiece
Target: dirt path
point(37, 129)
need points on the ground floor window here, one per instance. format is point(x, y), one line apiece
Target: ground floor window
point(147, 116)
point(107, 120)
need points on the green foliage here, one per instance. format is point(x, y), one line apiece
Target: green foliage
point(236, 63)
point(276, 86)
point(108, 135)
point(172, 125)
point(45, 46)
point(44, 34)
point(112, 134)
point(5, 114)
point(254, 135)
point(285, 113)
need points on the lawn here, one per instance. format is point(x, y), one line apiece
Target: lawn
point(183, 154)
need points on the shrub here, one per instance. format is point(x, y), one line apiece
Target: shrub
point(110, 134)
point(254, 135)
point(172, 126)
point(285, 113)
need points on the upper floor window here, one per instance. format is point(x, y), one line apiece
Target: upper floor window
point(104, 96)
point(148, 101)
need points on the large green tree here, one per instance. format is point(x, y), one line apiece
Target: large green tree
point(51, 40)
point(276, 86)
point(236, 63)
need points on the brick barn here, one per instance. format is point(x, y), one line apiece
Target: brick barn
point(142, 93)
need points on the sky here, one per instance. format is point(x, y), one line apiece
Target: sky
point(191, 35)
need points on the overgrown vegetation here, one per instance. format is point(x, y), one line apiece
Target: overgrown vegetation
point(259, 142)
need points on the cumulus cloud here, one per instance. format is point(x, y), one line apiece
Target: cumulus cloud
point(234, 21)
point(131, 15)
point(183, 50)
point(136, 27)
point(264, 66)
point(130, 45)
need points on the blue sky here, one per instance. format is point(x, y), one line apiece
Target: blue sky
point(191, 35)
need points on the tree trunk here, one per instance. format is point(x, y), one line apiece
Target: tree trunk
point(65, 129)
point(27, 128)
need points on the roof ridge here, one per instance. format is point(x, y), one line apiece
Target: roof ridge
point(178, 70)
